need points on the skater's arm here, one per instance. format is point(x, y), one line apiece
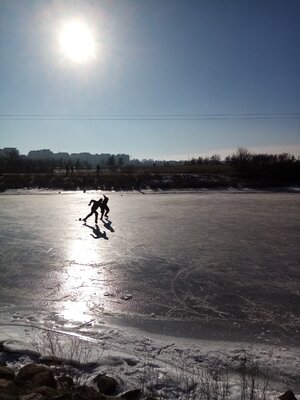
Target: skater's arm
point(92, 201)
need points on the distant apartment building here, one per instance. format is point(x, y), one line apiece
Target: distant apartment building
point(9, 151)
point(99, 159)
point(103, 159)
point(122, 159)
point(44, 154)
point(84, 159)
point(61, 156)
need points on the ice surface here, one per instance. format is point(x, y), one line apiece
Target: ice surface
point(214, 267)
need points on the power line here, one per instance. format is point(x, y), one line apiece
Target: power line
point(149, 117)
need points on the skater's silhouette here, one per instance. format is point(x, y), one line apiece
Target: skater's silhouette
point(107, 225)
point(97, 234)
point(95, 205)
point(104, 207)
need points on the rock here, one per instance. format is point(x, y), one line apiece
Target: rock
point(32, 396)
point(134, 394)
point(87, 393)
point(106, 384)
point(45, 378)
point(8, 390)
point(29, 371)
point(5, 383)
point(7, 373)
point(45, 391)
point(65, 396)
point(288, 395)
point(65, 383)
point(126, 296)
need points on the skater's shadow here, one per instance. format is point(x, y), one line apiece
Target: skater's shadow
point(97, 234)
point(107, 225)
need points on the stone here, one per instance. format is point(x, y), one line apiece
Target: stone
point(65, 383)
point(134, 394)
point(288, 395)
point(65, 396)
point(45, 378)
point(30, 370)
point(32, 396)
point(87, 393)
point(7, 373)
point(8, 390)
point(106, 384)
point(5, 383)
point(45, 391)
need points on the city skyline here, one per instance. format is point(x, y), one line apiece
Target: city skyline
point(85, 157)
point(41, 154)
point(162, 80)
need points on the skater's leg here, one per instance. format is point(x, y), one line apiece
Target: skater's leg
point(106, 211)
point(102, 213)
point(88, 216)
point(96, 217)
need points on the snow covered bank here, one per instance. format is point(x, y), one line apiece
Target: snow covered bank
point(172, 367)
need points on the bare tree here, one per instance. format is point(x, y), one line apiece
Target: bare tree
point(242, 158)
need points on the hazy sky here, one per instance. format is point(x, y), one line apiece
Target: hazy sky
point(221, 75)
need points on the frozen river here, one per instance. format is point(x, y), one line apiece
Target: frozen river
point(211, 265)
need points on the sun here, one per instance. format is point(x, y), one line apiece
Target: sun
point(77, 42)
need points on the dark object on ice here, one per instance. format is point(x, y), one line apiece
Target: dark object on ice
point(106, 384)
point(288, 395)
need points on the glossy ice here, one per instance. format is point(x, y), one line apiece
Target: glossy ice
point(207, 264)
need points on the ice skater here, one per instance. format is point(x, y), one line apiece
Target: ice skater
point(95, 204)
point(104, 207)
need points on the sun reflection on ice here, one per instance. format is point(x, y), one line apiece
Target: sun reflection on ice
point(83, 252)
point(76, 312)
point(82, 284)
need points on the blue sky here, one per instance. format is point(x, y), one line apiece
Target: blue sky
point(154, 58)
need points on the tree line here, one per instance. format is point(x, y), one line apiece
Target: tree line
point(252, 165)
point(242, 163)
point(13, 162)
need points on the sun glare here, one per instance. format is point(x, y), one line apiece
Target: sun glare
point(77, 43)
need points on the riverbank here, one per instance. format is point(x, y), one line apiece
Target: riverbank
point(135, 181)
point(47, 363)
